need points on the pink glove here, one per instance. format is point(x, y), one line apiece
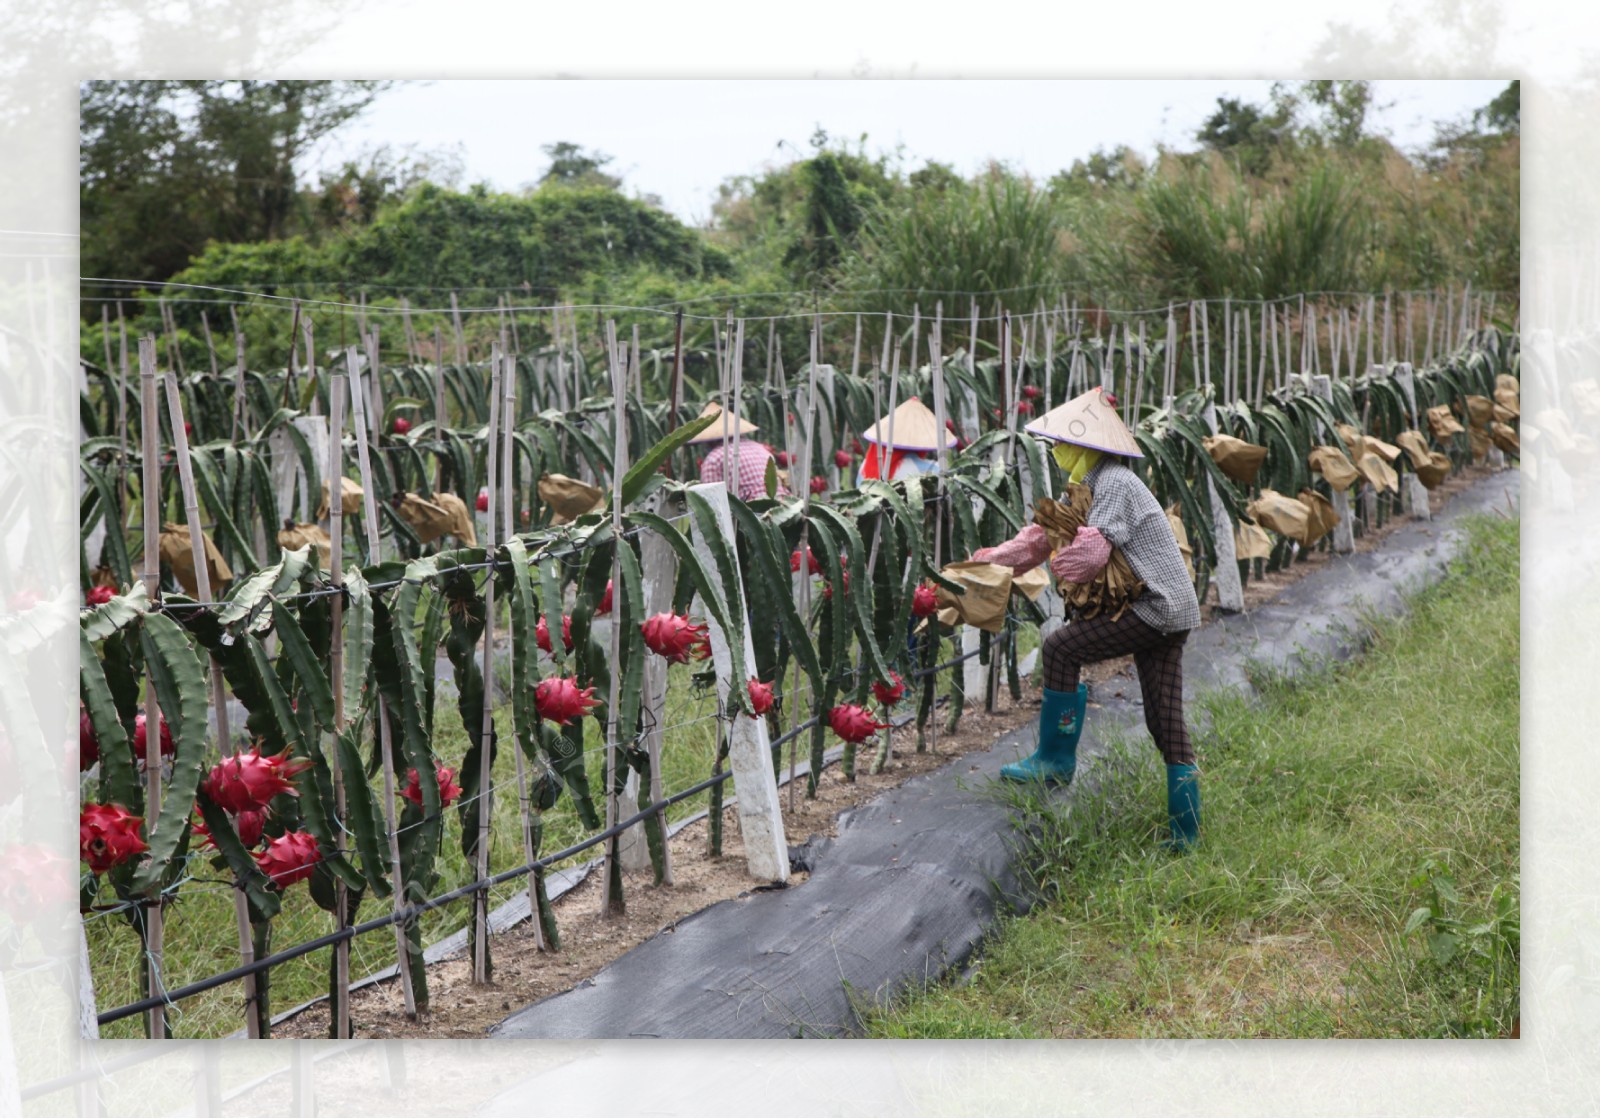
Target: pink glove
point(1023, 552)
point(1082, 560)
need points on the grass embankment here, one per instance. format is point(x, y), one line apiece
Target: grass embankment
point(1358, 872)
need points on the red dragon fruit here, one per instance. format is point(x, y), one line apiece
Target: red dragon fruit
point(782, 458)
point(541, 634)
point(852, 723)
point(108, 835)
point(249, 780)
point(675, 637)
point(483, 501)
point(842, 459)
point(290, 858)
point(88, 742)
point(819, 484)
point(448, 789)
point(889, 692)
point(1031, 392)
point(248, 824)
point(811, 561)
point(99, 596)
point(855, 447)
point(923, 601)
point(605, 602)
point(1024, 407)
point(167, 748)
point(401, 425)
point(844, 564)
point(559, 699)
point(760, 696)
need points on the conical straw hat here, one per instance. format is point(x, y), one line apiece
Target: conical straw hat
point(1087, 421)
point(914, 428)
point(715, 432)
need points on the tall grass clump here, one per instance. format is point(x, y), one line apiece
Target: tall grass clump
point(1000, 234)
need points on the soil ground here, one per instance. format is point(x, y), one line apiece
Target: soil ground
point(523, 975)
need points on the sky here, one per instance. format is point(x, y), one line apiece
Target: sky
point(678, 139)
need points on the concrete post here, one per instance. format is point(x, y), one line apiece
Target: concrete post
point(750, 750)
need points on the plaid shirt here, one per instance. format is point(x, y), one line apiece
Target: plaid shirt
point(1128, 515)
point(752, 472)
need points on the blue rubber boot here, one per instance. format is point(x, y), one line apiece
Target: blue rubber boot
point(1183, 806)
point(1060, 725)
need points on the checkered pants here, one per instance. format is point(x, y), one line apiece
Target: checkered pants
point(1157, 656)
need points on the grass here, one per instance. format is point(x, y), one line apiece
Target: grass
point(1358, 873)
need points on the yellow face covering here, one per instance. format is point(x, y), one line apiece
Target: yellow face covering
point(1075, 460)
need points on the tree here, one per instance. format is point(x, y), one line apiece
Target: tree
point(1504, 113)
point(167, 166)
point(1119, 168)
point(1252, 134)
point(571, 165)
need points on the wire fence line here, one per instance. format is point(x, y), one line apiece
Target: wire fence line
point(673, 307)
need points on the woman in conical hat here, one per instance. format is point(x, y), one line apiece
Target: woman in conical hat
point(1094, 446)
point(750, 474)
point(903, 443)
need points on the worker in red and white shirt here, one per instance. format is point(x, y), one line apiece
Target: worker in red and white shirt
point(749, 480)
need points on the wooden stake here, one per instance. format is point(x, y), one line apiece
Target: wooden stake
point(611, 901)
point(219, 695)
point(156, 1019)
point(336, 409)
point(480, 898)
point(461, 338)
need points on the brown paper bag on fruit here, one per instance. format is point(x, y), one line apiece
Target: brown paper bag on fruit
point(1442, 423)
point(1331, 463)
point(1508, 393)
point(988, 590)
point(1481, 409)
point(178, 554)
point(568, 498)
point(292, 537)
point(1323, 517)
point(445, 514)
point(1416, 448)
point(1031, 583)
point(1284, 515)
point(1250, 541)
point(1379, 473)
point(1505, 437)
point(1478, 440)
point(1437, 470)
point(1234, 457)
point(350, 496)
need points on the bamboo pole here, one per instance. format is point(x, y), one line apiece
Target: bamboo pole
point(336, 398)
point(219, 695)
point(156, 1018)
point(611, 902)
point(122, 417)
point(480, 898)
point(241, 404)
point(311, 369)
point(211, 346)
point(461, 338)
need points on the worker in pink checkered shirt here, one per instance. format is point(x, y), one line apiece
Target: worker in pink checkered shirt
point(750, 472)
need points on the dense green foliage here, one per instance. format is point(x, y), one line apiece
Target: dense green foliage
point(1296, 195)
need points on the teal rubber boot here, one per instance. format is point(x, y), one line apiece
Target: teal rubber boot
point(1060, 726)
point(1183, 806)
